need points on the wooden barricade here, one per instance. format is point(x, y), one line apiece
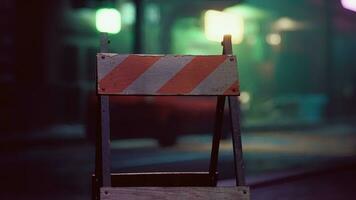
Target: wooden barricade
point(174, 75)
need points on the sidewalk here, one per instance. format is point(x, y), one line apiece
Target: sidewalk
point(336, 184)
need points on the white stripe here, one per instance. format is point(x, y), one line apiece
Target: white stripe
point(107, 62)
point(220, 79)
point(158, 74)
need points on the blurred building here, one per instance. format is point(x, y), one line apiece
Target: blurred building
point(296, 59)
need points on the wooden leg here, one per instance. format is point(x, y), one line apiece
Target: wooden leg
point(219, 117)
point(96, 179)
point(102, 152)
point(105, 141)
point(102, 149)
point(234, 109)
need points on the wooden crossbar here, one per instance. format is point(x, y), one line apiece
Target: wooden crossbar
point(166, 75)
point(175, 193)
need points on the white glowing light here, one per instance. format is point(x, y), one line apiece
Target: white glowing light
point(108, 20)
point(217, 24)
point(349, 4)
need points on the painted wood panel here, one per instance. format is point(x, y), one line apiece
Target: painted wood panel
point(175, 193)
point(166, 75)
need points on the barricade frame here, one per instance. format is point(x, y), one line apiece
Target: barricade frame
point(169, 185)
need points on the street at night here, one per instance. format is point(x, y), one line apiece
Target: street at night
point(177, 100)
point(318, 163)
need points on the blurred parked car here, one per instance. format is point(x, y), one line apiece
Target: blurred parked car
point(161, 118)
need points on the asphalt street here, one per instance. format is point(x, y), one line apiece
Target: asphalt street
point(62, 170)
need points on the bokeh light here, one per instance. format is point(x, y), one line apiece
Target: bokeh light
point(108, 20)
point(217, 24)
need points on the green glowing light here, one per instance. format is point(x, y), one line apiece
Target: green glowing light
point(247, 12)
point(108, 20)
point(128, 13)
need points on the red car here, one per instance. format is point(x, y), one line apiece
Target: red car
point(161, 118)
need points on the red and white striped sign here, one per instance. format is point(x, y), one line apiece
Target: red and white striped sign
point(167, 75)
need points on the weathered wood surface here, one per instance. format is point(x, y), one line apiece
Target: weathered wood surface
point(235, 125)
point(167, 75)
point(175, 193)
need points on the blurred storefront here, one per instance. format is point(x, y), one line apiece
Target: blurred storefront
point(296, 61)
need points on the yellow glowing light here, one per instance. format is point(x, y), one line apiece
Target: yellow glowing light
point(217, 24)
point(287, 24)
point(273, 39)
point(244, 97)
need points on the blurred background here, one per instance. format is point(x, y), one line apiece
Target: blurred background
point(297, 70)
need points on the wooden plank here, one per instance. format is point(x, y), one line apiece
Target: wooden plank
point(236, 140)
point(234, 112)
point(163, 179)
point(105, 125)
point(102, 147)
point(218, 126)
point(166, 75)
point(105, 140)
point(175, 193)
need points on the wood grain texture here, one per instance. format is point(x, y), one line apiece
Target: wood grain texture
point(167, 74)
point(235, 124)
point(175, 193)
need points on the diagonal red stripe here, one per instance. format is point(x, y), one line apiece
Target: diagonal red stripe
point(233, 89)
point(125, 73)
point(192, 74)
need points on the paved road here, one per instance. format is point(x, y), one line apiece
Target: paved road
point(62, 170)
